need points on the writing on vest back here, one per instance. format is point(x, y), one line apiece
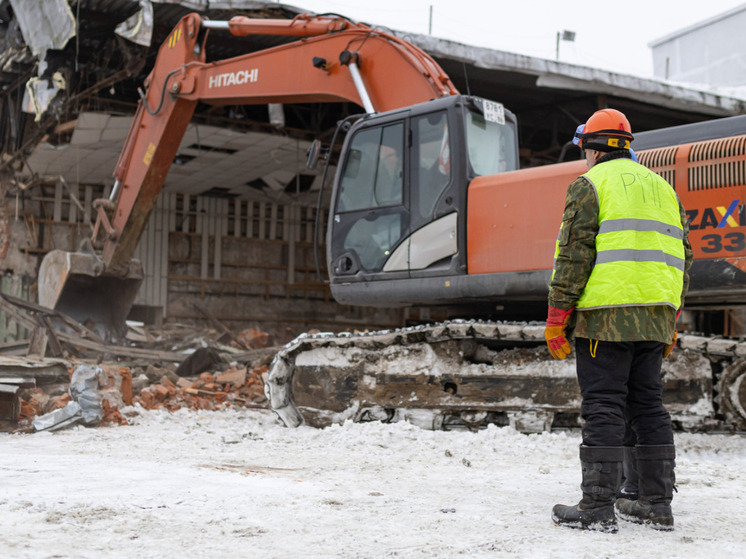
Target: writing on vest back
point(641, 188)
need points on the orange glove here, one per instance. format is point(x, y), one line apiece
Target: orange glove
point(669, 348)
point(554, 332)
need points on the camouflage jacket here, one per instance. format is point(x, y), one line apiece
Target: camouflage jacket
point(573, 266)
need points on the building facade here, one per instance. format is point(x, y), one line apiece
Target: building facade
point(711, 53)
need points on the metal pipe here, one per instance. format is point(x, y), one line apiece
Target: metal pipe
point(114, 191)
point(360, 86)
point(215, 24)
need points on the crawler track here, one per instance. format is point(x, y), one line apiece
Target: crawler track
point(469, 374)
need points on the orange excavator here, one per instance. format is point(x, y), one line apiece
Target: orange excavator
point(428, 207)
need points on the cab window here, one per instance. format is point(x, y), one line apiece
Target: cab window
point(491, 146)
point(433, 163)
point(373, 171)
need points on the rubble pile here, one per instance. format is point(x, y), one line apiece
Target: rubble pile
point(234, 386)
point(172, 366)
point(150, 387)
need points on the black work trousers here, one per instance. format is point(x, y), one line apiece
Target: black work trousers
point(622, 381)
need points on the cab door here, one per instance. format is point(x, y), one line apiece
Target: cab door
point(370, 216)
point(433, 200)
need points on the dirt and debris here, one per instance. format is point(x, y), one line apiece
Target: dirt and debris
point(151, 387)
point(172, 366)
point(236, 385)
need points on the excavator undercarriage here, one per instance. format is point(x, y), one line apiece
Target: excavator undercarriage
point(469, 374)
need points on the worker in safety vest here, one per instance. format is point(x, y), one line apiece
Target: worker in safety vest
point(620, 274)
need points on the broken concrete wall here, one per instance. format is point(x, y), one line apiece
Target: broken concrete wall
point(34, 219)
point(17, 260)
point(16, 235)
point(253, 289)
point(18, 286)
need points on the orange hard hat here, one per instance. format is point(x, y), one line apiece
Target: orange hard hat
point(606, 130)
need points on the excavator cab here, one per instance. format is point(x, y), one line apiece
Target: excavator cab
point(398, 212)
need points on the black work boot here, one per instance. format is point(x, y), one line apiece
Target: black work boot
point(655, 464)
point(630, 478)
point(602, 474)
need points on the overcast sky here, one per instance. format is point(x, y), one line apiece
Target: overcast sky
point(607, 36)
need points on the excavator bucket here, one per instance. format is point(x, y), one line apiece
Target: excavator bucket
point(75, 284)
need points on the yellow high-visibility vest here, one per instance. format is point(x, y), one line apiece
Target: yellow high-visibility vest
point(639, 246)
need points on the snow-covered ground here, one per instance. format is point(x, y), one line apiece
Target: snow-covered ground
point(238, 484)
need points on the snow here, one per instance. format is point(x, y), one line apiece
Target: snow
point(237, 484)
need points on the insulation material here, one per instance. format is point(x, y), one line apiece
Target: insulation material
point(86, 404)
point(40, 92)
point(45, 24)
point(139, 27)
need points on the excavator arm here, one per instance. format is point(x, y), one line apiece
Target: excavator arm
point(334, 60)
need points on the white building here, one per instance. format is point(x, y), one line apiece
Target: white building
point(712, 52)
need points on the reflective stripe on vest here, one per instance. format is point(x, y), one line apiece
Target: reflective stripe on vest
point(641, 225)
point(639, 246)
